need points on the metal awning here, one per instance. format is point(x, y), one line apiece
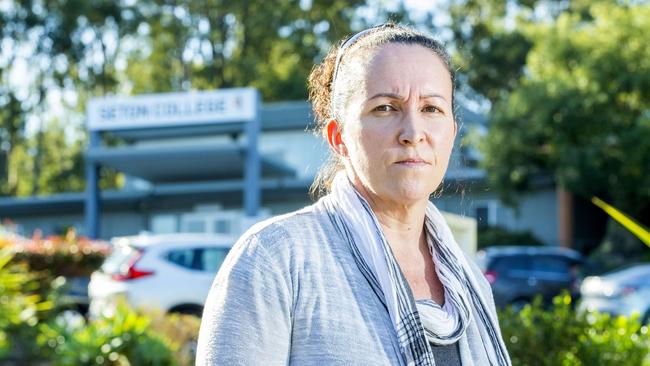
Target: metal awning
point(183, 163)
point(184, 194)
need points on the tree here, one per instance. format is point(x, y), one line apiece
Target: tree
point(580, 110)
point(490, 55)
point(65, 46)
point(97, 48)
point(218, 44)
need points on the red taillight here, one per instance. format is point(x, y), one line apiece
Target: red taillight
point(491, 276)
point(132, 273)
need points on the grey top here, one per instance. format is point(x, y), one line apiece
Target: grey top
point(290, 292)
point(446, 355)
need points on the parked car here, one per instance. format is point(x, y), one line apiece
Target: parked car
point(171, 272)
point(621, 292)
point(518, 274)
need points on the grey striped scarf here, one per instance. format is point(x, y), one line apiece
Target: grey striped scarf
point(355, 221)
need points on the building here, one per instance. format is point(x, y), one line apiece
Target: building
point(191, 177)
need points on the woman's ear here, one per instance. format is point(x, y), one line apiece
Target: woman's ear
point(334, 138)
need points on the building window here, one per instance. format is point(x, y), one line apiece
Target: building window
point(485, 213)
point(481, 215)
point(164, 224)
point(194, 226)
point(221, 226)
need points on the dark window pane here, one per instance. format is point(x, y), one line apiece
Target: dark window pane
point(552, 264)
point(511, 262)
point(182, 257)
point(481, 215)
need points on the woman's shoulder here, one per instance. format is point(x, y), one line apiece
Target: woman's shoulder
point(297, 225)
point(286, 234)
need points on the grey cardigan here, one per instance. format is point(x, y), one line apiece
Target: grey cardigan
point(290, 292)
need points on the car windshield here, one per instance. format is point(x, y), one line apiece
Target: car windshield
point(551, 264)
point(119, 259)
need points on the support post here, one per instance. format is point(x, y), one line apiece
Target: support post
point(93, 203)
point(253, 166)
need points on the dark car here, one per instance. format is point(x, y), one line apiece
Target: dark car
point(519, 273)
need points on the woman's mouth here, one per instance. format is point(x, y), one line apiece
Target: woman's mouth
point(412, 162)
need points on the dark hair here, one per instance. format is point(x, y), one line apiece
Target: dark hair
point(328, 92)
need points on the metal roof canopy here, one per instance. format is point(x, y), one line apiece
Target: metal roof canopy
point(238, 108)
point(190, 193)
point(183, 163)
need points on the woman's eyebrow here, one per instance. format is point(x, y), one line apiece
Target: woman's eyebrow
point(386, 95)
point(433, 95)
point(399, 97)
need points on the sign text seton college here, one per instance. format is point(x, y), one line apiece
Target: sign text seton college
point(172, 109)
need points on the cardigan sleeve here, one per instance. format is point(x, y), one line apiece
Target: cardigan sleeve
point(247, 314)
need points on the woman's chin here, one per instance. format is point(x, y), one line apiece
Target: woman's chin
point(411, 193)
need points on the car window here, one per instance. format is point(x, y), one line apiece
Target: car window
point(212, 258)
point(201, 259)
point(183, 257)
point(509, 263)
point(549, 263)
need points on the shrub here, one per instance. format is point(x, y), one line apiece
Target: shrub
point(21, 309)
point(559, 336)
point(32, 332)
point(68, 255)
point(125, 338)
point(181, 330)
point(494, 235)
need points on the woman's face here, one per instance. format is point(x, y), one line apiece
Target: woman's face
point(398, 131)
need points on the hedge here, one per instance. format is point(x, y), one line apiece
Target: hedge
point(558, 335)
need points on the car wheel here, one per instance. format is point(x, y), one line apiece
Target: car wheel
point(194, 310)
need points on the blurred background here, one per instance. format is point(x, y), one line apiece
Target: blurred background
point(107, 151)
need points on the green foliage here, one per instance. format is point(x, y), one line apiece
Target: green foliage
point(215, 44)
point(494, 235)
point(490, 54)
point(537, 336)
point(33, 332)
point(580, 112)
point(47, 162)
point(12, 125)
point(20, 310)
point(181, 330)
point(569, 88)
point(84, 49)
point(125, 338)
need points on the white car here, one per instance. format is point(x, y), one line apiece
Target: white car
point(171, 272)
point(620, 292)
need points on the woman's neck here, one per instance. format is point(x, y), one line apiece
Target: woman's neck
point(402, 224)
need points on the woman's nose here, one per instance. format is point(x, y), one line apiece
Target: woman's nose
point(412, 131)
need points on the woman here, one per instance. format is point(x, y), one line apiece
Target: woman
point(370, 274)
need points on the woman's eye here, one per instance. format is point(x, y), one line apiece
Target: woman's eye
point(432, 109)
point(384, 108)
